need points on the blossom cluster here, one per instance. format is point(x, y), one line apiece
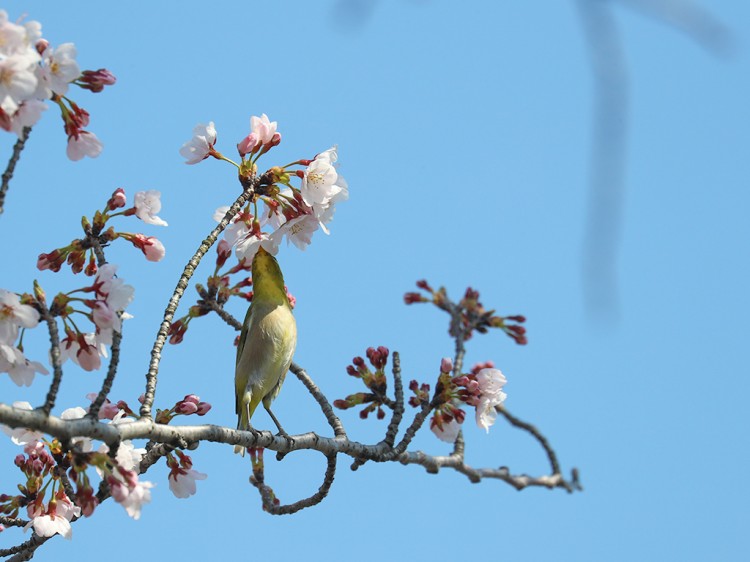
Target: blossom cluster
point(16, 316)
point(43, 462)
point(375, 381)
point(277, 209)
point(33, 71)
point(96, 234)
point(469, 313)
point(481, 388)
point(107, 298)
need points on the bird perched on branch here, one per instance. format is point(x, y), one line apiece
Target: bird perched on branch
point(266, 345)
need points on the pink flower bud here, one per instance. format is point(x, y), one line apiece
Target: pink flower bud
point(446, 365)
point(411, 298)
point(117, 200)
point(186, 408)
point(249, 145)
point(203, 408)
point(95, 80)
point(224, 252)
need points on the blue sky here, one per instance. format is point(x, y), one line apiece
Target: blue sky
point(465, 136)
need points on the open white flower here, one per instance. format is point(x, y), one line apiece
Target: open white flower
point(199, 147)
point(320, 182)
point(449, 431)
point(20, 369)
point(299, 230)
point(48, 525)
point(83, 144)
point(490, 381)
point(248, 246)
point(58, 69)
point(182, 482)
point(13, 315)
point(147, 204)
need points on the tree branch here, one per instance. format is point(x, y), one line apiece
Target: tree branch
point(174, 301)
point(183, 436)
point(11, 167)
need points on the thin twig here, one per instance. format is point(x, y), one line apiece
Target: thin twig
point(516, 422)
point(433, 464)
point(218, 309)
point(54, 352)
point(10, 168)
point(325, 406)
point(110, 378)
point(174, 301)
point(25, 550)
point(12, 521)
point(267, 495)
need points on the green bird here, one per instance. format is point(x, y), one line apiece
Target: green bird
point(267, 343)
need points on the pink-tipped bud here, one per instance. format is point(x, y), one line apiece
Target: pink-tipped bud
point(186, 408)
point(423, 284)
point(203, 408)
point(177, 332)
point(77, 260)
point(117, 200)
point(446, 365)
point(95, 80)
point(249, 145)
point(411, 298)
point(471, 294)
point(91, 268)
point(275, 140)
point(52, 261)
point(224, 252)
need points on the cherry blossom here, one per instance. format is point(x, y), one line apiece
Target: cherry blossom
point(299, 230)
point(200, 146)
point(182, 481)
point(48, 525)
point(27, 115)
point(448, 432)
point(18, 82)
point(83, 349)
point(13, 315)
point(22, 435)
point(151, 246)
point(319, 183)
point(264, 129)
point(57, 519)
point(58, 69)
point(83, 143)
point(117, 294)
point(490, 383)
point(147, 204)
point(20, 369)
point(248, 246)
